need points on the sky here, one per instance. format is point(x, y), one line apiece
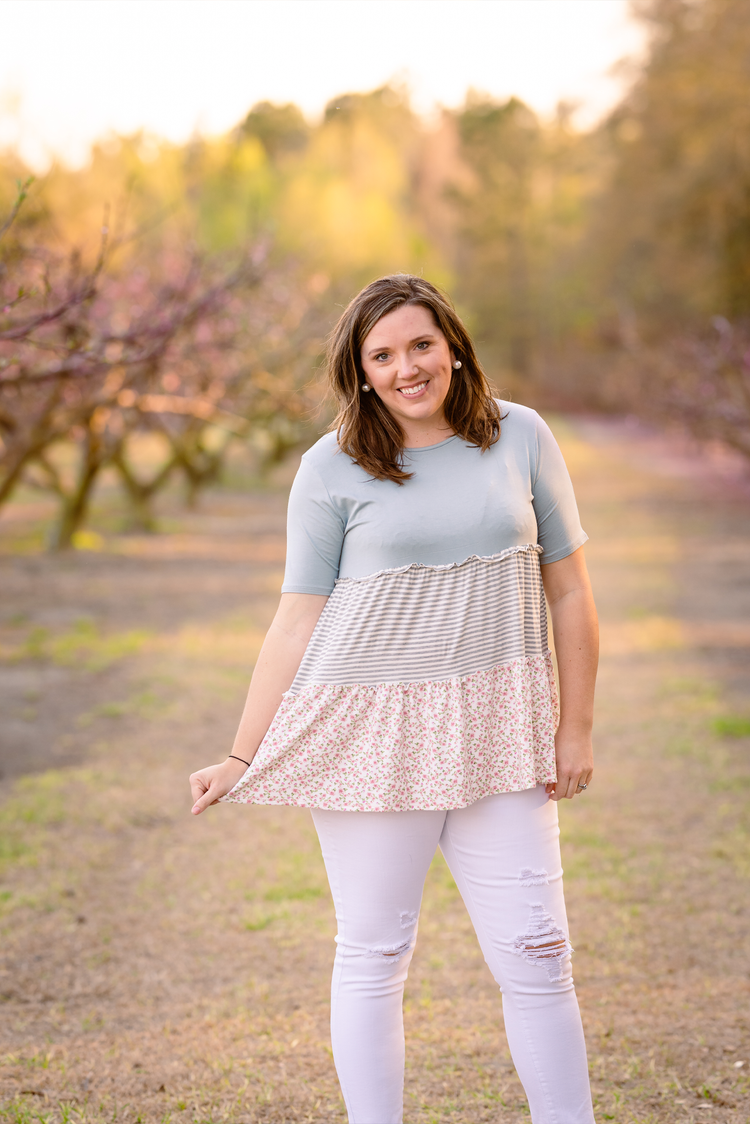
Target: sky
point(73, 71)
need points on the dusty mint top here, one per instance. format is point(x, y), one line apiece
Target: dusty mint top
point(460, 502)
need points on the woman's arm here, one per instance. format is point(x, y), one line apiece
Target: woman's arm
point(279, 659)
point(576, 632)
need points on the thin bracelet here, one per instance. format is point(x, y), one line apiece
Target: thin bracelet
point(242, 759)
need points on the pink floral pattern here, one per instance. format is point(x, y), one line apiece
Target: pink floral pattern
point(406, 746)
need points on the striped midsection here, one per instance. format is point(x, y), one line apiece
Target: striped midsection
point(429, 622)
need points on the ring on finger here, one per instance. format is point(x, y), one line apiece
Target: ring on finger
point(582, 786)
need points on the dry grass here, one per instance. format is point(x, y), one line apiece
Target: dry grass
point(158, 968)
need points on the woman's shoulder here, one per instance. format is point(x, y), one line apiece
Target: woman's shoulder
point(326, 459)
point(520, 425)
point(518, 416)
point(323, 451)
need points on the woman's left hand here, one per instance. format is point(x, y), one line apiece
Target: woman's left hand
point(568, 592)
point(575, 765)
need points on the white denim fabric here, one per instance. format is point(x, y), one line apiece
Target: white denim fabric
point(504, 855)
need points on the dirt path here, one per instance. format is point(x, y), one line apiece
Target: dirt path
point(154, 967)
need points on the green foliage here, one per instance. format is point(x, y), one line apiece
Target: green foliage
point(258, 923)
point(19, 1111)
point(674, 222)
point(281, 129)
point(38, 800)
point(82, 645)
point(503, 146)
point(142, 704)
point(292, 893)
point(37, 804)
point(732, 726)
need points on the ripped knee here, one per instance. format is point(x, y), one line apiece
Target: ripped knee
point(529, 877)
point(544, 943)
point(408, 920)
point(395, 951)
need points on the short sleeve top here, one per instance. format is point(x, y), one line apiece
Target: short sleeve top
point(460, 502)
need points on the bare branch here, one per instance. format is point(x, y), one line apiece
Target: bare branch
point(23, 190)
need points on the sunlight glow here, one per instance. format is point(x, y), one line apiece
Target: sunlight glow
point(79, 69)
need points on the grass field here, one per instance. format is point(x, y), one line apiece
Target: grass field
point(156, 967)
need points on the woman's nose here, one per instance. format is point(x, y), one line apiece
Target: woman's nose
point(409, 368)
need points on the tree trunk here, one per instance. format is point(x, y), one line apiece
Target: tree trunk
point(141, 494)
point(36, 440)
point(75, 506)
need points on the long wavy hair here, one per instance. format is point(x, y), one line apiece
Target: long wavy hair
point(366, 430)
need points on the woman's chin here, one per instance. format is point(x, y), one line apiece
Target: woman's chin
point(422, 411)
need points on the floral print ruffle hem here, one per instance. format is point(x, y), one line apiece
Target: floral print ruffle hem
point(432, 744)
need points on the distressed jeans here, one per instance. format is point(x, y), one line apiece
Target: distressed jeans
point(504, 855)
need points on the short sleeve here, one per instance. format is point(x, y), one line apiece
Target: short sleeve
point(315, 534)
point(558, 523)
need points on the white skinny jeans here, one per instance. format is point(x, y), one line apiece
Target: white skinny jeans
point(504, 855)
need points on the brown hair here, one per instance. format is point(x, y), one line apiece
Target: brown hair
point(366, 430)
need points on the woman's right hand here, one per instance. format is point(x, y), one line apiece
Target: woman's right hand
point(278, 663)
point(209, 784)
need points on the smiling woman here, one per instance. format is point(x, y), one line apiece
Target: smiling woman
point(405, 691)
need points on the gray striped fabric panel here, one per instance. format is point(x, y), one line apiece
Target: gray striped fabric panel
point(429, 622)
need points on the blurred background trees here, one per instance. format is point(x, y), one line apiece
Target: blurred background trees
point(667, 241)
point(607, 269)
point(677, 209)
point(152, 347)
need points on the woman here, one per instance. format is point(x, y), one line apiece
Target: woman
point(405, 692)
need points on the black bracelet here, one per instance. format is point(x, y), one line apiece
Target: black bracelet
point(242, 759)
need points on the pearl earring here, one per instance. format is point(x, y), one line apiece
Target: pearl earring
point(365, 386)
point(457, 364)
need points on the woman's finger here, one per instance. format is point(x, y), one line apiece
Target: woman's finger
point(583, 783)
point(198, 785)
point(566, 787)
point(205, 792)
point(209, 797)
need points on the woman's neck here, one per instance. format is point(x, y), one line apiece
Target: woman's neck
point(420, 436)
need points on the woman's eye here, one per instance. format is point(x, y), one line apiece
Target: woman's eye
point(423, 344)
point(382, 356)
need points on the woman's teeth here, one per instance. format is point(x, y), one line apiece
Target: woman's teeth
point(409, 390)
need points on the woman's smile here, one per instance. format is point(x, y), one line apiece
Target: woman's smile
point(412, 391)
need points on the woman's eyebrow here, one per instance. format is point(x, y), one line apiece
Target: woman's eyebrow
point(387, 347)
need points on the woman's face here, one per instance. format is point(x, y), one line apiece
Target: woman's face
point(408, 363)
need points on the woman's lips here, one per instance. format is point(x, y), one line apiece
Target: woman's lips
point(413, 391)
